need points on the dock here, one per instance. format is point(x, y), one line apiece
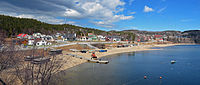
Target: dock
point(89, 60)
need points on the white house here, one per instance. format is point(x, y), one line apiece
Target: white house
point(101, 38)
point(38, 35)
point(48, 38)
point(58, 35)
point(30, 42)
point(84, 38)
point(42, 42)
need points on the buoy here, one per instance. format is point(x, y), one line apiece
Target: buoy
point(145, 77)
point(160, 77)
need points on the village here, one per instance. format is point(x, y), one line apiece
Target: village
point(39, 39)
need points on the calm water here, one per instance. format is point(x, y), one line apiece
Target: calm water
point(130, 68)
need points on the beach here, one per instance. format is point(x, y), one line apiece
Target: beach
point(70, 61)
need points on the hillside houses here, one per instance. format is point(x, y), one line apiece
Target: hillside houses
point(40, 39)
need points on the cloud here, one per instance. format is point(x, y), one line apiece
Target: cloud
point(164, 0)
point(187, 20)
point(106, 11)
point(70, 22)
point(25, 16)
point(161, 10)
point(131, 1)
point(104, 24)
point(148, 9)
point(133, 13)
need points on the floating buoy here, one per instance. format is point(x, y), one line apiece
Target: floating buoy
point(160, 77)
point(145, 77)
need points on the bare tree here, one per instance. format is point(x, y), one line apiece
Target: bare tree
point(38, 71)
point(14, 69)
point(6, 59)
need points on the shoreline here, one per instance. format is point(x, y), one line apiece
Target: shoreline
point(72, 61)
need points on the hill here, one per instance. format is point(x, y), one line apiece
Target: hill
point(11, 26)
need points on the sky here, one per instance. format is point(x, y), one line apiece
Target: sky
point(149, 15)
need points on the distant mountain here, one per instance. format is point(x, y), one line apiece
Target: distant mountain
point(168, 32)
point(193, 34)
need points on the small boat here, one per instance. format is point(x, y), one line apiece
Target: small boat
point(102, 50)
point(40, 60)
point(98, 61)
point(30, 58)
point(83, 51)
point(55, 51)
point(103, 62)
point(173, 61)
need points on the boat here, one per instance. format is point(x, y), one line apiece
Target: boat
point(55, 51)
point(102, 50)
point(30, 58)
point(83, 51)
point(40, 60)
point(98, 61)
point(103, 62)
point(173, 61)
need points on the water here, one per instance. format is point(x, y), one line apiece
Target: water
point(130, 68)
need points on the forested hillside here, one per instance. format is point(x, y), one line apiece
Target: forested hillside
point(12, 26)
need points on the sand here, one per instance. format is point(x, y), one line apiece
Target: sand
point(72, 61)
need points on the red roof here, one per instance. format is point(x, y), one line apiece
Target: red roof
point(90, 34)
point(19, 35)
point(22, 35)
point(158, 36)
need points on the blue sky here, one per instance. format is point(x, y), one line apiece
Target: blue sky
point(151, 15)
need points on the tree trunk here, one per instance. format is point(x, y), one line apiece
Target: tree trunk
point(2, 82)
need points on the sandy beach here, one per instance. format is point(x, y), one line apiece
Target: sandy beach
point(72, 61)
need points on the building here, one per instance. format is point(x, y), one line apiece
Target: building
point(101, 38)
point(42, 42)
point(114, 38)
point(20, 36)
point(83, 38)
point(70, 37)
point(92, 37)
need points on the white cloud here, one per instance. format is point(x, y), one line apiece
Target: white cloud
point(161, 10)
point(103, 24)
point(70, 22)
point(133, 13)
point(148, 9)
point(25, 16)
point(122, 17)
point(106, 11)
point(131, 1)
point(72, 13)
point(187, 20)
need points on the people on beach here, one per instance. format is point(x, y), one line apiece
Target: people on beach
point(93, 56)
